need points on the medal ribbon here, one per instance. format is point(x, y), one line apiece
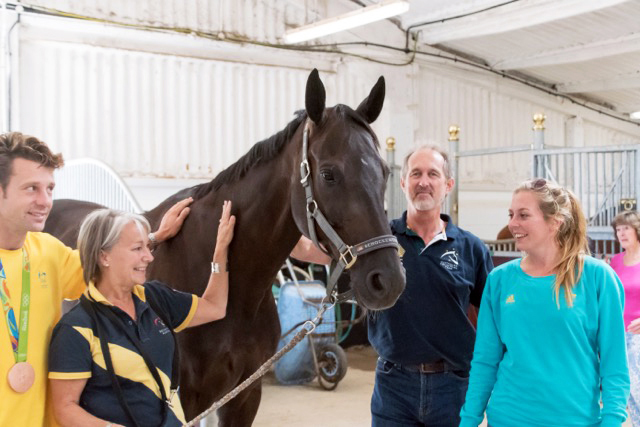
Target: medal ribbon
point(18, 334)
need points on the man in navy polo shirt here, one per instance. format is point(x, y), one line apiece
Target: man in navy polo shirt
point(425, 341)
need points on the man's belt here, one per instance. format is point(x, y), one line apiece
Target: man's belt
point(429, 368)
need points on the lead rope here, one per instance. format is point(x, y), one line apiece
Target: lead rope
point(307, 328)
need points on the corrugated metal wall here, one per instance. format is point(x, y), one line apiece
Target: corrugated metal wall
point(158, 115)
point(264, 20)
point(491, 117)
point(598, 135)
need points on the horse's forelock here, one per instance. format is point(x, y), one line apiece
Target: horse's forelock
point(346, 112)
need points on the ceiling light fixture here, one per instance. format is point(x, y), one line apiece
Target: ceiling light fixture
point(635, 115)
point(366, 15)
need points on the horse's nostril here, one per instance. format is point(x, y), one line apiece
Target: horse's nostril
point(375, 282)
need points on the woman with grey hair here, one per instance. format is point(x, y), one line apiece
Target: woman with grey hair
point(112, 357)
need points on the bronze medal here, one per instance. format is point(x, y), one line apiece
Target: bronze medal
point(21, 377)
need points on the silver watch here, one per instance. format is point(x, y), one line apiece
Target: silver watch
point(217, 268)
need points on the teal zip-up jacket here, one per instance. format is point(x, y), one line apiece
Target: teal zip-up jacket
point(537, 365)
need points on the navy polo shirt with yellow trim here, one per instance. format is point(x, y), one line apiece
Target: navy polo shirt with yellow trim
point(429, 321)
point(75, 353)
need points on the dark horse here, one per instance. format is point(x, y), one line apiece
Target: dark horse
point(349, 179)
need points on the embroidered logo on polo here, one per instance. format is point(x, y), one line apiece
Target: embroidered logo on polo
point(449, 260)
point(162, 327)
point(511, 299)
point(401, 251)
point(42, 277)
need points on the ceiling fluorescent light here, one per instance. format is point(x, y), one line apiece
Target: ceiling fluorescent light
point(635, 115)
point(376, 12)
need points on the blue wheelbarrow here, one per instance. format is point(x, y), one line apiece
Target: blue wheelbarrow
point(318, 355)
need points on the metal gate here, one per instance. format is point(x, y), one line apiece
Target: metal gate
point(606, 180)
point(603, 179)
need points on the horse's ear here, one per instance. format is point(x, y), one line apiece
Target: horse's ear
point(372, 105)
point(315, 97)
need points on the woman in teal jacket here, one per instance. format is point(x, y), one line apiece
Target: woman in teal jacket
point(550, 344)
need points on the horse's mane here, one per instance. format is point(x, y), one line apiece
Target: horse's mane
point(262, 151)
point(269, 148)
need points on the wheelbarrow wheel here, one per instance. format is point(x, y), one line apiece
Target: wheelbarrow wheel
point(332, 366)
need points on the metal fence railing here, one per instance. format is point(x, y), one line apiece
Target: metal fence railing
point(94, 181)
point(606, 180)
point(601, 177)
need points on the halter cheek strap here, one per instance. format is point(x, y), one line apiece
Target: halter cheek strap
point(348, 255)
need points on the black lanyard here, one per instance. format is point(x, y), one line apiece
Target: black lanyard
point(93, 307)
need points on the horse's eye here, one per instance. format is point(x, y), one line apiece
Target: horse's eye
point(327, 175)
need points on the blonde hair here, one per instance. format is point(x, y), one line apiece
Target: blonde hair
point(558, 203)
point(100, 231)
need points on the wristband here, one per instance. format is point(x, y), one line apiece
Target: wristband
point(216, 268)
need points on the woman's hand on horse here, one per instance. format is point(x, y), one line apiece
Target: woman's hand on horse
point(225, 227)
point(173, 219)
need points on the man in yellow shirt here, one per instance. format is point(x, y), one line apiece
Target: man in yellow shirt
point(37, 272)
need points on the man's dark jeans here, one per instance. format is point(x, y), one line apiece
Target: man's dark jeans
point(410, 398)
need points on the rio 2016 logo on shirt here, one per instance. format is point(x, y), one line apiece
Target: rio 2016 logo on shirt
point(449, 260)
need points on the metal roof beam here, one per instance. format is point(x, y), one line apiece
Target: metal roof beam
point(584, 52)
point(511, 17)
point(629, 81)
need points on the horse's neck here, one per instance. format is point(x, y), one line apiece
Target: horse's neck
point(265, 234)
point(264, 209)
point(265, 230)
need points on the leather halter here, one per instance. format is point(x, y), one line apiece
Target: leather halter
point(348, 254)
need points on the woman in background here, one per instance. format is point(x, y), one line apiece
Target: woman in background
point(626, 227)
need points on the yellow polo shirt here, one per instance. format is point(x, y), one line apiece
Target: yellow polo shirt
point(56, 274)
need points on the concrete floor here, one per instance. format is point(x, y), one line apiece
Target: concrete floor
point(311, 406)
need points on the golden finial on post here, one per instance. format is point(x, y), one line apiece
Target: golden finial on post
point(454, 132)
point(391, 144)
point(538, 120)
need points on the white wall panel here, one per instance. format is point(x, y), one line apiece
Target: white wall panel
point(151, 114)
point(158, 115)
point(492, 115)
point(264, 20)
point(596, 135)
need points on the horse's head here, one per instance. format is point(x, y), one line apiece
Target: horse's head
point(347, 179)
